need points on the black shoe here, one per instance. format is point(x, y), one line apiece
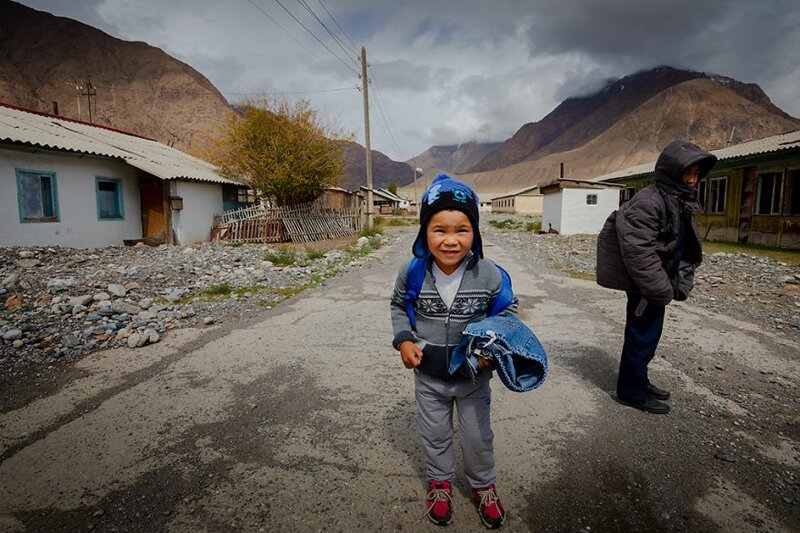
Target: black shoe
point(649, 405)
point(655, 392)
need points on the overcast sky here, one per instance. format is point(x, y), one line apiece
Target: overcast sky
point(446, 72)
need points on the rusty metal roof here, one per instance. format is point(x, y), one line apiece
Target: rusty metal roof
point(56, 133)
point(769, 145)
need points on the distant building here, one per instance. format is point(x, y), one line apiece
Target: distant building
point(70, 183)
point(337, 198)
point(525, 201)
point(385, 202)
point(752, 195)
point(575, 206)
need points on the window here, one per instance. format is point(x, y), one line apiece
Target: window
point(793, 191)
point(717, 191)
point(37, 196)
point(246, 196)
point(768, 194)
point(628, 193)
point(701, 194)
point(591, 199)
point(109, 199)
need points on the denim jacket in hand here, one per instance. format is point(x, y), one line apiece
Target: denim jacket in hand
point(516, 353)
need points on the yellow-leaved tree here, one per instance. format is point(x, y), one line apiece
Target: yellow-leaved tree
point(283, 150)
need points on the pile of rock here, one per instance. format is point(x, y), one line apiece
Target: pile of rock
point(63, 302)
point(745, 286)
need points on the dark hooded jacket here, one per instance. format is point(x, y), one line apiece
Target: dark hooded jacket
point(636, 250)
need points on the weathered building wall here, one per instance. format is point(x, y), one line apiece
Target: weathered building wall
point(75, 186)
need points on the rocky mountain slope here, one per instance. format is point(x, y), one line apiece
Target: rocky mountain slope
point(577, 121)
point(384, 170)
point(139, 88)
point(455, 158)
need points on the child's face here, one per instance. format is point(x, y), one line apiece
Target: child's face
point(449, 235)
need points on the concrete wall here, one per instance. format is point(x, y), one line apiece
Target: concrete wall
point(578, 217)
point(78, 225)
point(529, 205)
point(201, 201)
point(551, 211)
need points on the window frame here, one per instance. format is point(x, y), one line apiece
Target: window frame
point(56, 217)
point(792, 191)
point(119, 197)
point(591, 196)
point(775, 205)
point(712, 200)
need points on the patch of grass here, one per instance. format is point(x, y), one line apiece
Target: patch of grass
point(378, 220)
point(374, 231)
point(218, 290)
point(791, 257)
point(283, 256)
point(405, 221)
point(505, 224)
point(313, 253)
point(533, 226)
point(234, 244)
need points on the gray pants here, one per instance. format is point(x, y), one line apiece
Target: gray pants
point(435, 401)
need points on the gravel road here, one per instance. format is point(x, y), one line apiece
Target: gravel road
point(301, 417)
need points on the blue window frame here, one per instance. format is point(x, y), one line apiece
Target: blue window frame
point(37, 196)
point(109, 199)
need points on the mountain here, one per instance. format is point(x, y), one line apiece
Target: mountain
point(700, 110)
point(577, 121)
point(139, 88)
point(454, 158)
point(384, 170)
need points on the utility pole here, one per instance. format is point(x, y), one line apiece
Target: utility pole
point(78, 89)
point(365, 82)
point(90, 93)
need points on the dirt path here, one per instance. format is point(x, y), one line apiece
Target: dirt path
point(303, 419)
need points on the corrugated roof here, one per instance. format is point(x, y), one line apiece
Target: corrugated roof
point(515, 192)
point(768, 145)
point(47, 131)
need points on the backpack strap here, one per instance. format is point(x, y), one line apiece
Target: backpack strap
point(505, 297)
point(415, 276)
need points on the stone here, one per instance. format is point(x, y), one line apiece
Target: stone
point(61, 284)
point(28, 263)
point(208, 320)
point(12, 334)
point(70, 341)
point(176, 295)
point(18, 344)
point(121, 307)
point(26, 254)
point(10, 281)
point(362, 242)
point(117, 290)
point(13, 302)
point(145, 303)
point(135, 340)
point(101, 297)
point(84, 300)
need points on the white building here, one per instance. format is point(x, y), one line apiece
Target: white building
point(525, 201)
point(574, 206)
point(69, 183)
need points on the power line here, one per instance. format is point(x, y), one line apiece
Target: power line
point(382, 111)
point(350, 67)
point(284, 30)
point(335, 37)
point(355, 46)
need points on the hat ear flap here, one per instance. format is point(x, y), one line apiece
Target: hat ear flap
point(420, 247)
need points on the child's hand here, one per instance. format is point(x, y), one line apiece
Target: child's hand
point(411, 354)
point(484, 363)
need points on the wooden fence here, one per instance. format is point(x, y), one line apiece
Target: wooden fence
point(304, 223)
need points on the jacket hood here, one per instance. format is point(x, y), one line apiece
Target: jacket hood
point(677, 157)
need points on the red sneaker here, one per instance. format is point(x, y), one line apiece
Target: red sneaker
point(440, 510)
point(489, 507)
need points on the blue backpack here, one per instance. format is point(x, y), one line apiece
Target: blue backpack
point(415, 275)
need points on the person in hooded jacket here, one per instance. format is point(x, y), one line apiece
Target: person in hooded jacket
point(653, 258)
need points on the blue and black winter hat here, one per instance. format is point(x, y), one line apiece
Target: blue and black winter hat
point(447, 193)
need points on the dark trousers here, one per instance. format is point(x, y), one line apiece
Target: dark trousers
point(642, 334)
